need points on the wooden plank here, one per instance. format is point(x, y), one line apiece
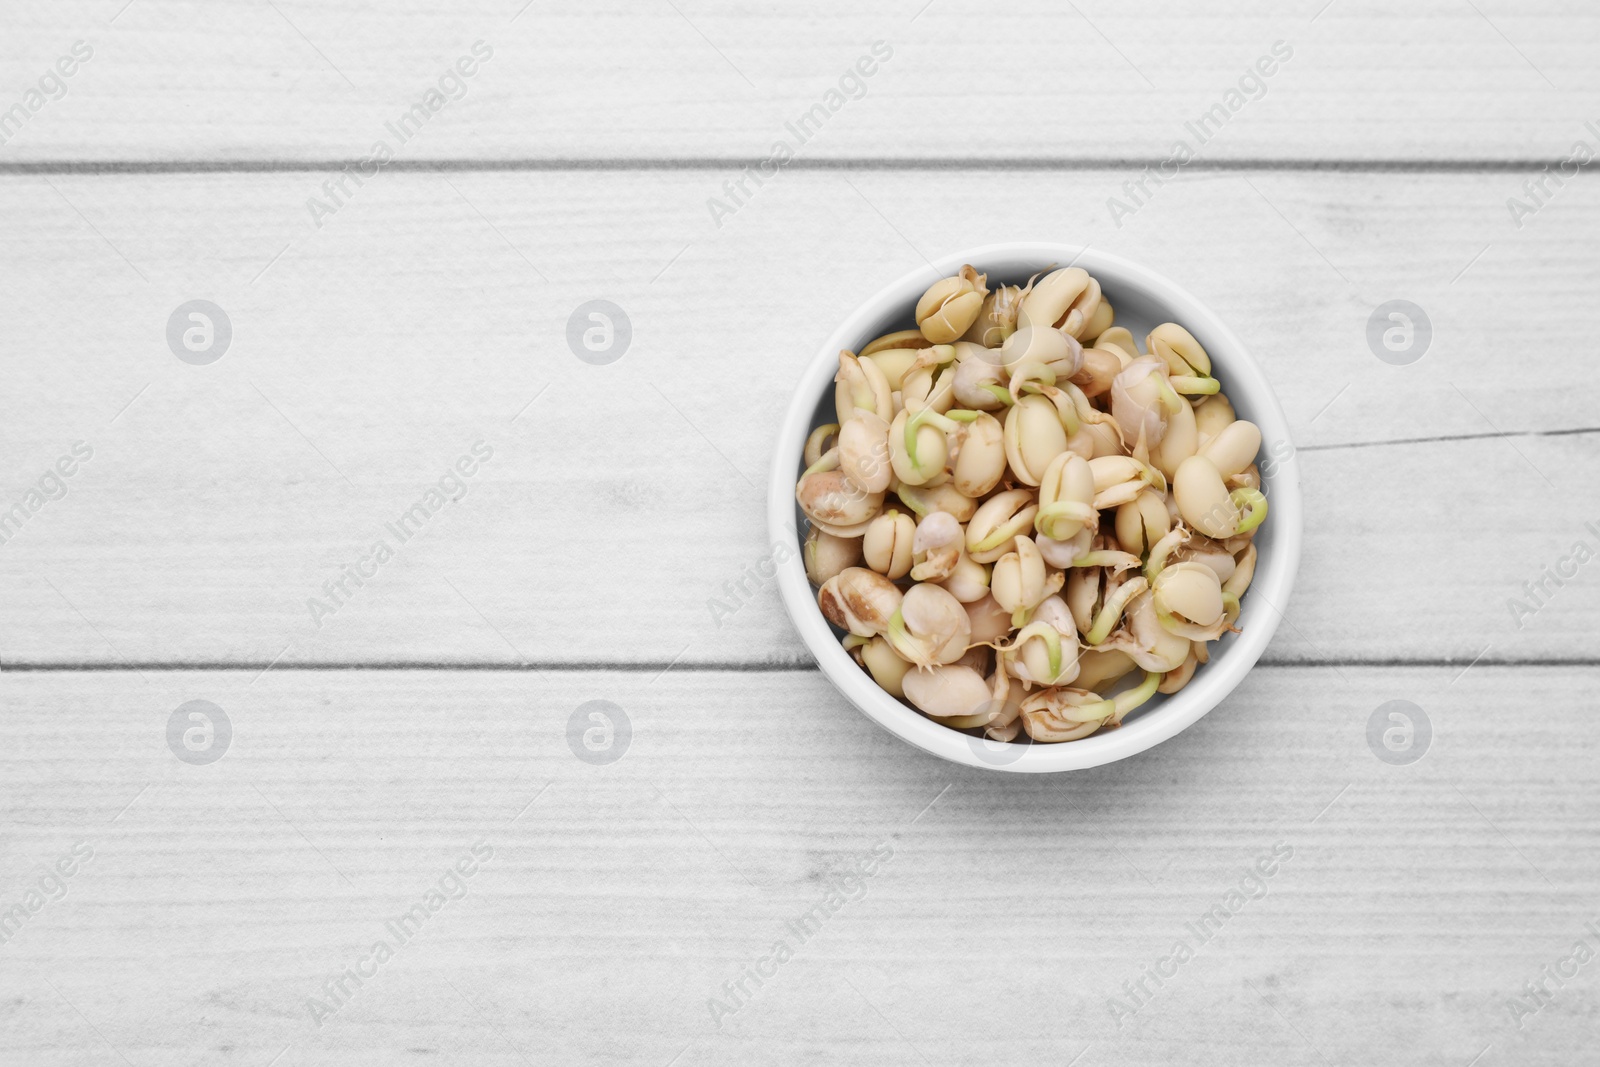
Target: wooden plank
point(369, 356)
point(170, 79)
point(219, 898)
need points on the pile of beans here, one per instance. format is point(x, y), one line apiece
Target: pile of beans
point(1022, 522)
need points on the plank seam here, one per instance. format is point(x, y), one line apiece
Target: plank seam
point(1485, 436)
point(727, 163)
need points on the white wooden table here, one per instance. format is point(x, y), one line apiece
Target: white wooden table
point(612, 910)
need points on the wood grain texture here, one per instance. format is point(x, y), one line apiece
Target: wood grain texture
point(430, 313)
point(236, 80)
point(425, 311)
point(219, 898)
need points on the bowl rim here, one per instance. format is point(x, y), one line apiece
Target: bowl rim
point(1270, 588)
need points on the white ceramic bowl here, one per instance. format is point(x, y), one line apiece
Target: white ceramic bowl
point(1142, 299)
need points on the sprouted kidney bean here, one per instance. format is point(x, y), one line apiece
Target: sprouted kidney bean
point(1023, 523)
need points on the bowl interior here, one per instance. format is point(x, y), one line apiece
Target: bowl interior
point(1142, 300)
